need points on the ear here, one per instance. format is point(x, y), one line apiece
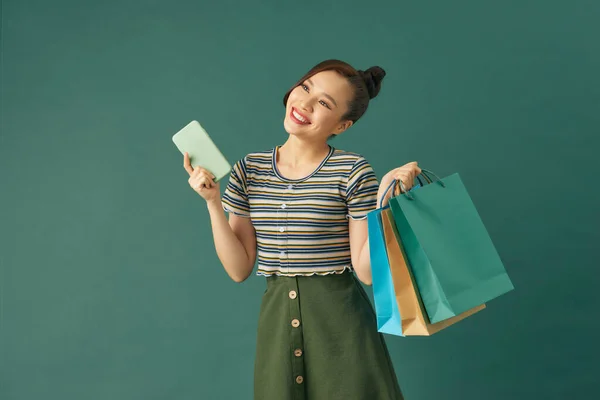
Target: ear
point(342, 127)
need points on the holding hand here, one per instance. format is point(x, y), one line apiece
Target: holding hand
point(406, 174)
point(201, 180)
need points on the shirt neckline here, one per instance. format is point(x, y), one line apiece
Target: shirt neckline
point(283, 178)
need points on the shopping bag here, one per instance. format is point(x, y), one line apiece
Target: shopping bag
point(414, 320)
point(451, 255)
point(386, 308)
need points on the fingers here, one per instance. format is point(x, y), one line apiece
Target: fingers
point(410, 166)
point(201, 179)
point(413, 167)
point(200, 170)
point(208, 182)
point(193, 170)
point(197, 181)
point(406, 179)
point(203, 183)
point(186, 163)
point(407, 174)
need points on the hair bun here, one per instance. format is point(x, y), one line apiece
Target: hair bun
point(373, 77)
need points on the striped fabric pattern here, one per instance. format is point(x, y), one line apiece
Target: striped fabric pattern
point(302, 225)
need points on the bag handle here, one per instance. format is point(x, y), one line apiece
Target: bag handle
point(400, 188)
point(398, 184)
point(426, 172)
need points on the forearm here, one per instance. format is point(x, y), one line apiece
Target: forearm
point(363, 266)
point(384, 200)
point(230, 249)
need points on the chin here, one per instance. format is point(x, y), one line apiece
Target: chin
point(290, 127)
point(295, 129)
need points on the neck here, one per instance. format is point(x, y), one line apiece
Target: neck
point(296, 152)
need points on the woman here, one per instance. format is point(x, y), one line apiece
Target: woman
point(303, 205)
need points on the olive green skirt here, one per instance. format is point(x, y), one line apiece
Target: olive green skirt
point(318, 340)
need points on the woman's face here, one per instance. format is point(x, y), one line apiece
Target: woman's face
point(315, 108)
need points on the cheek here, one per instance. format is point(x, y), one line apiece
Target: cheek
point(294, 94)
point(326, 118)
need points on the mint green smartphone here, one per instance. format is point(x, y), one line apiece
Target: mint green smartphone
point(203, 152)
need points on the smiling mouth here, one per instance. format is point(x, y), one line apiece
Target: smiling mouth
point(298, 118)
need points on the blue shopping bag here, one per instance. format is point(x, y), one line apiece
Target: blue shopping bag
point(386, 307)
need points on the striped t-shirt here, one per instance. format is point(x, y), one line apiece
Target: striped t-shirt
point(302, 225)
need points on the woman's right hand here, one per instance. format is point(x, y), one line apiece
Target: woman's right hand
point(202, 181)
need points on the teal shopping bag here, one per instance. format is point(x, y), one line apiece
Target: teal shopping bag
point(451, 255)
point(386, 307)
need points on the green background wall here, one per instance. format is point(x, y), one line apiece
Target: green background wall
point(110, 285)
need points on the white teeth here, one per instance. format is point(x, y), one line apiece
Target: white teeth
point(299, 117)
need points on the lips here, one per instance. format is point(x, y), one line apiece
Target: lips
point(299, 118)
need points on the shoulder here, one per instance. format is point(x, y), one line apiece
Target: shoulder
point(255, 163)
point(350, 162)
point(347, 159)
point(257, 157)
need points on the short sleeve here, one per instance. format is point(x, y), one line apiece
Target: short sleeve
point(361, 190)
point(235, 197)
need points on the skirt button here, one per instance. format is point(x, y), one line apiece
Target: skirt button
point(295, 323)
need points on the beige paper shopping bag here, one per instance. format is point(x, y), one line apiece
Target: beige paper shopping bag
point(414, 319)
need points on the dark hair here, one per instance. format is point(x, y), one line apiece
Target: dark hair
point(366, 85)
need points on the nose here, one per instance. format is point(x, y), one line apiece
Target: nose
point(306, 104)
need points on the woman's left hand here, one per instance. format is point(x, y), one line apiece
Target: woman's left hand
point(406, 173)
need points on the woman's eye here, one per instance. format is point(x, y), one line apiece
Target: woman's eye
point(324, 104)
point(305, 87)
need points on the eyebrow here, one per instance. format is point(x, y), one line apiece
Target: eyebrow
point(324, 94)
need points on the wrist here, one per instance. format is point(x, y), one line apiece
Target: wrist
point(213, 205)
